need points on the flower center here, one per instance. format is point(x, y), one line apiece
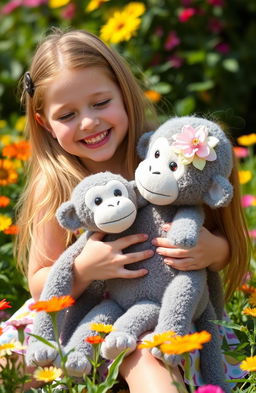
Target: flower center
point(195, 141)
point(3, 174)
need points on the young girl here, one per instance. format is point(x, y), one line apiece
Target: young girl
point(85, 114)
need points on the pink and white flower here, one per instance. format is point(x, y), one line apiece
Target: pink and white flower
point(194, 145)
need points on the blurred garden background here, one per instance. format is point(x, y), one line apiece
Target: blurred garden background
point(191, 56)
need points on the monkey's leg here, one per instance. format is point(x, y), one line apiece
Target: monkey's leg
point(138, 319)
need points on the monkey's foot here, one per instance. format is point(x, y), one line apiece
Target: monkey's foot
point(116, 342)
point(76, 365)
point(41, 354)
point(171, 360)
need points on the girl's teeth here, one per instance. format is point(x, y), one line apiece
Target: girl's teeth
point(97, 139)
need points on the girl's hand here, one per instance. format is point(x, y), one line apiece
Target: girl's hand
point(104, 260)
point(211, 251)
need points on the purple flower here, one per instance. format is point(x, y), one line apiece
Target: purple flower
point(34, 3)
point(248, 200)
point(11, 6)
point(223, 48)
point(209, 389)
point(69, 11)
point(176, 61)
point(171, 41)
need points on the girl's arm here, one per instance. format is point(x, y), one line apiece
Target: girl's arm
point(212, 251)
point(98, 261)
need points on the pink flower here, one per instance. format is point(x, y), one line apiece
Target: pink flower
point(176, 61)
point(223, 48)
point(69, 11)
point(216, 3)
point(171, 41)
point(186, 14)
point(241, 152)
point(195, 146)
point(34, 3)
point(11, 6)
point(209, 389)
point(215, 25)
point(252, 233)
point(19, 324)
point(248, 200)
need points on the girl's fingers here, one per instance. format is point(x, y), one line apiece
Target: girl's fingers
point(125, 273)
point(127, 241)
point(173, 252)
point(136, 256)
point(184, 265)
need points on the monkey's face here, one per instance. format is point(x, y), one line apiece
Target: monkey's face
point(157, 176)
point(112, 208)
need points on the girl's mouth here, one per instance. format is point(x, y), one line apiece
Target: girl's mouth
point(97, 140)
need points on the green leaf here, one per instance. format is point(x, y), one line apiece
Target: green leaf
point(226, 324)
point(186, 106)
point(231, 65)
point(43, 340)
point(201, 86)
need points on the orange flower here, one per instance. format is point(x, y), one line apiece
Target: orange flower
point(250, 311)
point(181, 344)
point(247, 289)
point(4, 201)
point(8, 174)
point(1, 330)
point(11, 230)
point(53, 305)
point(19, 150)
point(152, 95)
point(252, 299)
point(4, 304)
point(94, 339)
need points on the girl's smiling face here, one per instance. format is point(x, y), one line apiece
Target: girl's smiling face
point(84, 111)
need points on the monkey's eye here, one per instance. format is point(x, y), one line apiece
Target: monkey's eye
point(157, 153)
point(173, 166)
point(98, 201)
point(118, 192)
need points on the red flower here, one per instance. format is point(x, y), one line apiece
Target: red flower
point(186, 14)
point(4, 304)
point(4, 201)
point(94, 339)
point(11, 230)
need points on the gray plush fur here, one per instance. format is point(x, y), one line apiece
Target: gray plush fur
point(164, 299)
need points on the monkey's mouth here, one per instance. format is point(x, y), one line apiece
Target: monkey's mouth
point(153, 192)
point(120, 219)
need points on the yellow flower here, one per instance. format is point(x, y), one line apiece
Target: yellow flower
point(249, 364)
point(5, 139)
point(250, 311)
point(8, 173)
point(152, 95)
point(58, 3)
point(5, 222)
point(244, 176)
point(3, 123)
point(120, 27)
point(101, 328)
point(8, 348)
point(252, 299)
point(47, 374)
point(247, 140)
point(157, 340)
point(135, 9)
point(20, 123)
point(181, 344)
point(94, 4)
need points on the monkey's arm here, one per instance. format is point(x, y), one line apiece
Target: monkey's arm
point(186, 226)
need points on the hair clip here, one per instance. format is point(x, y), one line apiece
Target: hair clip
point(29, 85)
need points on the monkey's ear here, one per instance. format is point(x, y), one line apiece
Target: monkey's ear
point(67, 217)
point(143, 143)
point(220, 192)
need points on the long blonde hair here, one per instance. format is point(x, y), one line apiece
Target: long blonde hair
point(61, 171)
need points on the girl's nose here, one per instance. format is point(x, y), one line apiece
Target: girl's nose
point(89, 122)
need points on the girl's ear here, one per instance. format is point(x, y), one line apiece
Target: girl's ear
point(40, 120)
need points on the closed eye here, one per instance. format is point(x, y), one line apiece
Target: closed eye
point(67, 116)
point(101, 103)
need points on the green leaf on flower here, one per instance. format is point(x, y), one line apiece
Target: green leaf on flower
point(43, 340)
